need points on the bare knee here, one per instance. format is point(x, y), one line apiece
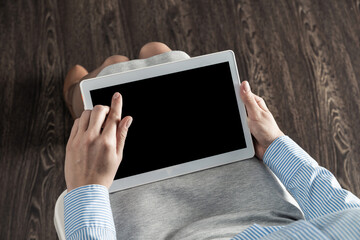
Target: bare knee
point(153, 48)
point(115, 59)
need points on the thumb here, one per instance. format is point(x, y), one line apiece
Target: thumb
point(121, 134)
point(249, 99)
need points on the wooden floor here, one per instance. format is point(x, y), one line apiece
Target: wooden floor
point(302, 56)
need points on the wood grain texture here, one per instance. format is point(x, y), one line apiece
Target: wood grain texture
point(302, 56)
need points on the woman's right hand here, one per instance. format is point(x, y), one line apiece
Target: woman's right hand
point(260, 120)
point(96, 144)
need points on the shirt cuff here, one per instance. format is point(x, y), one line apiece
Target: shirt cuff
point(284, 157)
point(87, 207)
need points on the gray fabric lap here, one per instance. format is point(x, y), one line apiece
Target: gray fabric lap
point(215, 203)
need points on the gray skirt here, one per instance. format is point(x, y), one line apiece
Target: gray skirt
point(214, 203)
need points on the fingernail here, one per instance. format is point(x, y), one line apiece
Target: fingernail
point(116, 95)
point(247, 87)
point(128, 123)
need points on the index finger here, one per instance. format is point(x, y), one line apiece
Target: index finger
point(114, 116)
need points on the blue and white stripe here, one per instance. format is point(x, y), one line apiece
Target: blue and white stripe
point(87, 213)
point(330, 211)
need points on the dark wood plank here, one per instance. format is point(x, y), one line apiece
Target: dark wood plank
point(33, 147)
point(302, 56)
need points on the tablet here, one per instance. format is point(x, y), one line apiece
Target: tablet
point(187, 116)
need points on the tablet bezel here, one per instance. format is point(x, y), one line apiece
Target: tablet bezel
point(163, 69)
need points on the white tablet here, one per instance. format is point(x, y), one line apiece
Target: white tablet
point(188, 116)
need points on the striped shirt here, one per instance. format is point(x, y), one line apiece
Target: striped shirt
point(330, 212)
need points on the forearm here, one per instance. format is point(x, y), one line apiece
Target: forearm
point(315, 189)
point(87, 213)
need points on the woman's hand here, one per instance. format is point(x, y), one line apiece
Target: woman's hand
point(260, 120)
point(95, 147)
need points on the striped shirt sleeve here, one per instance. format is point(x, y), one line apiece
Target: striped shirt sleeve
point(315, 188)
point(87, 213)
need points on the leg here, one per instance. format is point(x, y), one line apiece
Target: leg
point(153, 48)
point(75, 75)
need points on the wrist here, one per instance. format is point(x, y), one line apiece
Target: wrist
point(84, 186)
point(271, 139)
point(278, 135)
point(77, 184)
point(273, 143)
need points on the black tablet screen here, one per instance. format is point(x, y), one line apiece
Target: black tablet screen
point(178, 118)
